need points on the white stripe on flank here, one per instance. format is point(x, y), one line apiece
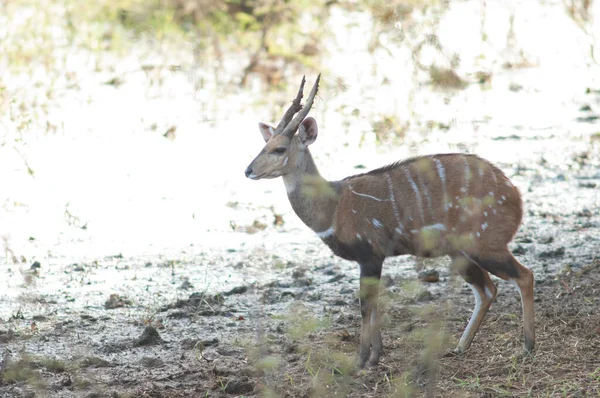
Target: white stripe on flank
point(417, 194)
point(442, 173)
point(388, 179)
point(327, 233)
point(467, 174)
point(366, 195)
point(427, 197)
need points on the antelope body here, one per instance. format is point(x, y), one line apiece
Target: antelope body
point(454, 204)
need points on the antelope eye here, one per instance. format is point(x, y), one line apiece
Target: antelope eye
point(280, 151)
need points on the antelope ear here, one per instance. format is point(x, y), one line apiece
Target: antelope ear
point(266, 130)
point(308, 130)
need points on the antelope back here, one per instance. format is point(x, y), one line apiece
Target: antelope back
point(430, 206)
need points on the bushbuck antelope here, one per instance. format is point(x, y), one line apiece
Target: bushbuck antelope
point(448, 204)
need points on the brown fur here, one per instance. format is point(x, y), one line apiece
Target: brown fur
point(448, 204)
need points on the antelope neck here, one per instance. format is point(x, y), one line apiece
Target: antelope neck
point(313, 198)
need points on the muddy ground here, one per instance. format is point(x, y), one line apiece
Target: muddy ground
point(141, 263)
point(291, 326)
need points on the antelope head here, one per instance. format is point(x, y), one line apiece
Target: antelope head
point(283, 148)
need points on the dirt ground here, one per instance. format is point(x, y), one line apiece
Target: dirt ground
point(240, 343)
point(296, 335)
point(134, 264)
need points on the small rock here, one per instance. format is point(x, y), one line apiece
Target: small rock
point(346, 290)
point(151, 362)
point(424, 295)
point(78, 268)
point(339, 302)
point(430, 276)
point(524, 239)
point(519, 250)
point(239, 387)
point(186, 284)
point(547, 239)
point(299, 273)
point(336, 278)
point(150, 336)
point(559, 252)
point(584, 213)
point(236, 290)
point(302, 282)
point(229, 351)
point(116, 301)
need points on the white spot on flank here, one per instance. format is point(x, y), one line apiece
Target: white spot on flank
point(463, 190)
point(327, 233)
point(485, 213)
point(438, 226)
point(354, 211)
point(494, 211)
point(499, 202)
point(503, 197)
point(366, 195)
point(417, 193)
point(285, 161)
point(358, 236)
point(484, 226)
point(377, 223)
point(478, 234)
point(400, 229)
point(491, 194)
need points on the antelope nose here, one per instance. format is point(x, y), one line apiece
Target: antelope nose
point(248, 171)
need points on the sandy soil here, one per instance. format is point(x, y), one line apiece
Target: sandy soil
point(139, 266)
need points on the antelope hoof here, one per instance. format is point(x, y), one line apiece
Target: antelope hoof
point(528, 349)
point(374, 358)
point(363, 357)
point(454, 353)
